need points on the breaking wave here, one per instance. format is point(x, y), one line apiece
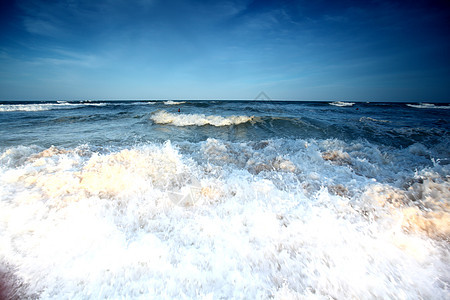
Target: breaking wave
point(365, 119)
point(35, 107)
point(45, 106)
point(170, 102)
point(342, 103)
point(270, 219)
point(300, 201)
point(429, 106)
point(180, 119)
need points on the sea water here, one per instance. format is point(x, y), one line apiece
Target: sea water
point(224, 199)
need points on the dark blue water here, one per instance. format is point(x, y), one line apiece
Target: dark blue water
point(224, 200)
point(120, 123)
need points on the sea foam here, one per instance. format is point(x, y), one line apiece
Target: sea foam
point(171, 102)
point(273, 218)
point(181, 119)
point(34, 107)
point(342, 103)
point(428, 106)
point(45, 106)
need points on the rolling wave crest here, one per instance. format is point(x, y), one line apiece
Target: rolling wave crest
point(164, 117)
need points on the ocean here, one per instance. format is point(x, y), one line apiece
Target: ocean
point(224, 200)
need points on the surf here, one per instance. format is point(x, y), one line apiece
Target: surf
point(182, 119)
point(284, 200)
point(342, 104)
point(284, 216)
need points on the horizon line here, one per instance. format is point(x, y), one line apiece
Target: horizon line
point(247, 100)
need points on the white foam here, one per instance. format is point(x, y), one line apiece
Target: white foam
point(32, 107)
point(181, 119)
point(270, 219)
point(428, 106)
point(44, 106)
point(365, 119)
point(171, 102)
point(342, 103)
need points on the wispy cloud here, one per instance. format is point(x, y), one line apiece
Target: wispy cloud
point(236, 43)
point(41, 27)
point(60, 57)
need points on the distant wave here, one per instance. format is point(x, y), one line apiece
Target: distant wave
point(44, 106)
point(363, 119)
point(428, 105)
point(164, 117)
point(342, 104)
point(139, 103)
point(35, 107)
point(170, 102)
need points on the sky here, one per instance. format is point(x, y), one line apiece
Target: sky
point(291, 50)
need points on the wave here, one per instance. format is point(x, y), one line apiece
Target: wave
point(35, 107)
point(180, 119)
point(342, 103)
point(428, 106)
point(364, 119)
point(275, 218)
point(170, 102)
point(45, 106)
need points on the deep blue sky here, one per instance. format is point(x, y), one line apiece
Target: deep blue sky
point(155, 49)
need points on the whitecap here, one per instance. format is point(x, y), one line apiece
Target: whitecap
point(152, 221)
point(35, 107)
point(365, 119)
point(181, 119)
point(170, 102)
point(428, 106)
point(342, 103)
point(46, 106)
